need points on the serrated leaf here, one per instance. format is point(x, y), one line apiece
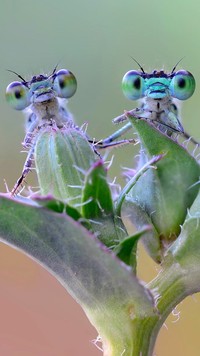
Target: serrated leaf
point(49, 202)
point(56, 205)
point(127, 249)
point(59, 206)
point(97, 206)
point(187, 246)
point(128, 187)
point(166, 193)
point(151, 239)
point(62, 157)
point(97, 199)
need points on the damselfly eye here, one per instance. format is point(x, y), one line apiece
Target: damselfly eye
point(133, 85)
point(182, 85)
point(65, 83)
point(17, 95)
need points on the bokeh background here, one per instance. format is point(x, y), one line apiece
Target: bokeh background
point(95, 39)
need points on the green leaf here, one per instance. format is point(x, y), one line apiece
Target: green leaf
point(187, 246)
point(151, 240)
point(133, 180)
point(60, 207)
point(180, 273)
point(97, 199)
point(166, 193)
point(97, 206)
point(62, 157)
point(109, 293)
point(127, 249)
point(56, 205)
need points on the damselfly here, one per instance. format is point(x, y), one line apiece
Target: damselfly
point(43, 99)
point(158, 92)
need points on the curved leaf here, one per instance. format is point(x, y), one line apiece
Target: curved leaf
point(98, 207)
point(109, 293)
point(166, 193)
point(62, 157)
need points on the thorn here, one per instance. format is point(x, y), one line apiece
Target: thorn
point(7, 189)
point(84, 203)
point(96, 222)
point(99, 205)
point(194, 150)
point(96, 341)
point(110, 162)
point(176, 314)
point(75, 186)
point(197, 156)
point(193, 185)
point(80, 170)
point(84, 127)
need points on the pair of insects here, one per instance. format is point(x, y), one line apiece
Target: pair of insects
point(43, 99)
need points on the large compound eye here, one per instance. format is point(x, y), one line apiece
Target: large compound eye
point(65, 83)
point(133, 85)
point(182, 85)
point(17, 95)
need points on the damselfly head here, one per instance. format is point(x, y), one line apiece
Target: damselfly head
point(41, 88)
point(158, 84)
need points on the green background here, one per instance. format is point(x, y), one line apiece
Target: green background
point(95, 40)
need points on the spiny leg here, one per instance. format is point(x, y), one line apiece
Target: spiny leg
point(149, 116)
point(108, 142)
point(26, 169)
point(190, 138)
point(103, 145)
point(28, 142)
point(157, 91)
point(31, 130)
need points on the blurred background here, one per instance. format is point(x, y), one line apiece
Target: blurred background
point(95, 40)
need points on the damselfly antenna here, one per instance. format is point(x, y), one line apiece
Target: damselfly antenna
point(55, 69)
point(19, 76)
point(138, 65)
point(173, 70)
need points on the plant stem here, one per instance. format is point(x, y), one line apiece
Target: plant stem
point(170, 287)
